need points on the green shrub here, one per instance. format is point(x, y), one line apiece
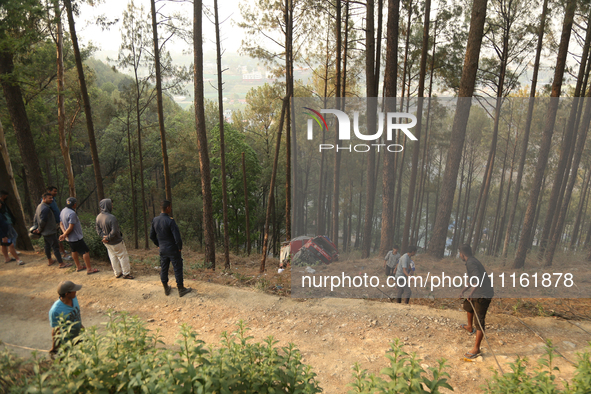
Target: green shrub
point(542, 378)
point(126, 359)
point(94, 242)
point(405, 375)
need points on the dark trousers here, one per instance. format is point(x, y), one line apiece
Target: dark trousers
point(51, 242)
point(404, 292)
point(177, 265)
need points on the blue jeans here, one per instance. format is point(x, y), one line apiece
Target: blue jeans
point(12, 234)
point(177, 265)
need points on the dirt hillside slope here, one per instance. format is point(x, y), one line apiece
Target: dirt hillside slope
point(332, 334)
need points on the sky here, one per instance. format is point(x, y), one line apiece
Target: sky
point(108, 41)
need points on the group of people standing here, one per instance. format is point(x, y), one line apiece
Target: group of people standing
point(401, 267)
point(478, 298)
point(48, 223)
point(164, 233)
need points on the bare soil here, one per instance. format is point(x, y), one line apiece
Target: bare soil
point(332, 334)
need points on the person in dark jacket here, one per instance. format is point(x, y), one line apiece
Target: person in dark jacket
point(47, 226)
point(56, 213)
point(478, 300)
point(166, 236)
point(108, 229)
point(9, 244)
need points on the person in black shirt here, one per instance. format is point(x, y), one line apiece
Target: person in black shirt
point(166, 236)
point(478, 300)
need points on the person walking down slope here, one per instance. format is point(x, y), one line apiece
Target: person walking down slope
point(166, 236)
point(72, 232)
point(108, 229)
point(47, 226)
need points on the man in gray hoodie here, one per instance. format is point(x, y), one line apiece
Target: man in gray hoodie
point(47, 227)
point(107, 228)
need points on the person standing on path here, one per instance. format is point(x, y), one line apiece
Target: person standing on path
point(478, 300)
point(56, 213)
point(72, 232)
point(166, 236)
point(403, 272)
point(108, 229)
point(8, 233)
point(67, 307)
point(391, 260)
point(47, 226)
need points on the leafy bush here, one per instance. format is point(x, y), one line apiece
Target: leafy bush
point(126, 359)
point(405, 375)
point(542, 380)
point(94, 242)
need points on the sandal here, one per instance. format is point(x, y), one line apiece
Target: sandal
point(118, 276)
point(465, 328)
point(65, 265)
point(52, 263)
point(20, 262)
point(472, 356)
point(83, 268)
point(128, 276)
point(93, 271)
point(10, 261)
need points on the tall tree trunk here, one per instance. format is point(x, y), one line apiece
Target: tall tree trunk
point(457, 226)
point(320, 208)
point(334, 235)
point(504, 216)
point(417, 133)
point(528, 121)
point(8, 183)
point(291, 167)
point(246, 205)
point(493, 233)
point(284, 111)
point(580, 210)
point(389, 168)
point(544, 151)
point(132, 184)
point(480, 212)
point(398, 197)
point(86, 100)
point(580, 145)
point(141, 157)
point(562, 170)
point(371, 94)
point(222, 142)
point(22, 128)
point(160, 104)
point(424, 170)
point(406, 47)
point(458, 133)
point(208, 228)
point(61, 109)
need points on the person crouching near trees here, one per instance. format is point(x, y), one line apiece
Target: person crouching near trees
point(403, 272)
point(478, 300)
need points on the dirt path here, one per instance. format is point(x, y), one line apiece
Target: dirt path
point(332, 334)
